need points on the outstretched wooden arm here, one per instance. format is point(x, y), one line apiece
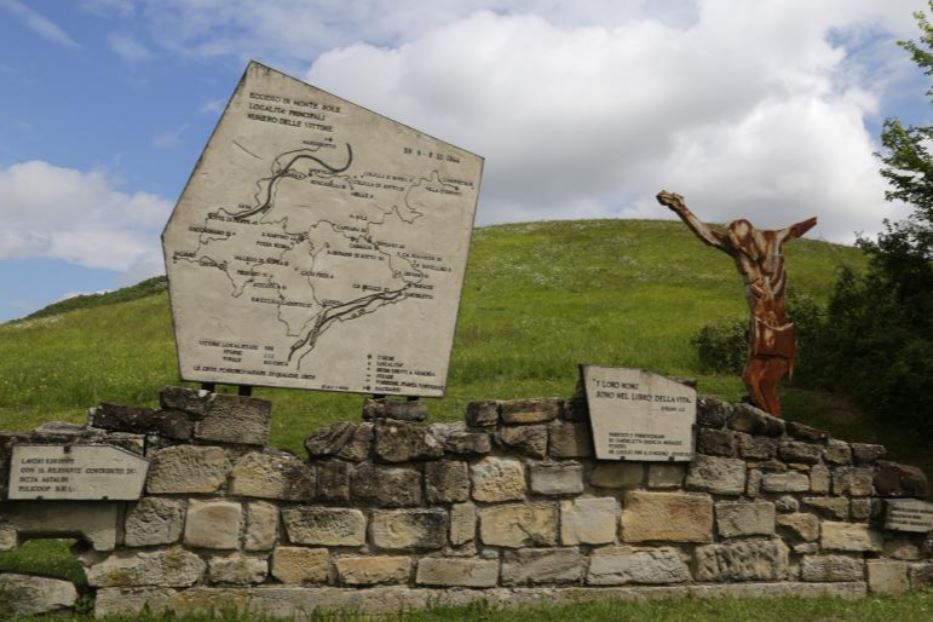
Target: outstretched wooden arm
point(799, 229)
point(676, 203)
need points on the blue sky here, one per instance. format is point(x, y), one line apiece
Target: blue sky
point(769, 110)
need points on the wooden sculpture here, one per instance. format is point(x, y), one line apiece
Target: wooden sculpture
point(757, 255)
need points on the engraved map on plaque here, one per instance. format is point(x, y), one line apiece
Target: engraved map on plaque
point(76, 472)
point(640, 416)
point(319, 245)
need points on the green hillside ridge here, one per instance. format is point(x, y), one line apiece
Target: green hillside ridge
point(539, 299)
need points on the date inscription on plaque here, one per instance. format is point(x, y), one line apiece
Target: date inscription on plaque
point(639, 416)
point(76, 472)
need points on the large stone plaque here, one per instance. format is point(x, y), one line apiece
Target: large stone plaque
point(319, 245)
point(640, 416)
point(76, 472)
point(909, 515)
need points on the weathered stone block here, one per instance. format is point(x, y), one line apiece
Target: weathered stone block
point(468, 443)
point(860, 509)
point(558, 478)
point(333, 480)
point(530, 440)
point(238, 569)
point(296, 565)
point(515, 412)
point(344, 439)
point(746, 418)
point(621, 565)
point(589, 520)
point(786, 503)
point(482, 414)
point(900, 480)
point(187, 469)
point(570, 440)
point(756, 447)
point(803, 526)
point(921, 576)
point(837, 452)
point(820, 479)
point(213, 524)
point(498, 479)
point(518, 525)
point(401, 410)
point(667, 517)
point(363, 571)
point(270, 475)
point(462, 523)
point(887, 577)
point(712, 412)
point(172, 567)
point(454, 572)
point(617, 474)
point(235, 419)
point(804, 432)
point(903, 548)
point(172, 424)
point(153, 521)
point(828, 507)
point(407, 530)
point(716, 442)
point(95, 521)
point(743, 560)
point(538, 566)
point(27, 596)
point(262, 526)
point(796, 451)
point(9, 539)
point(853, 481)
point(866, 453)
point(447, 481)
point(386, 486)
point(837, 536)
point(192, 401)
point(666, 475)
point(322, 526)
point(791, 481)
point(831, 568)
point(722, 476)
point(745, 518)
point(398, 441)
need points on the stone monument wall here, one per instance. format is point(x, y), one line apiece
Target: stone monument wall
point(509, 506)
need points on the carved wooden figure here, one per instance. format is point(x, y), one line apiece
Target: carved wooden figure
point(758, 257)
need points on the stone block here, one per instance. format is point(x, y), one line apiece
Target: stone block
point(9, 539)
point(399, 441)
point(852, 537)
point(756, 447)
point(344, 439)
point(745, 518)
point(462, 523)
point(712, 412)
point(828, 507)
point(837, 452)
point(468, 443)
point(372, 570)
point(797, 451)
point(447, 481)
point(513, 412)
point(277, 475)
point(401, 410)
point(866, 453)
point(663, 475)
point(482, 414)
point(213, 524)
point(667, 517)
point(903, 548)
point(192, 401)
point(235, 419)
point(386, 486)
point(617, 475)
point(26, 595)
point(409, 530)
point(753, 483)
point(786, 503)
point(921, 576)
point(453, 572)
point(297, 565)
point(900, 480)
point(887, 577)
point(333, 480)
point(153, 521)
point(96, 522)
point(172, 567)
point(853, 481)
point(184, 469)
point(860, 509)
point(570, 440)
point(802, 526)
point(171, 424)
point(530, 440)
point(743, 560)
point(622, 565)
point(262, 526)
point(820, 479)
point(807, 433)
point(557, 478)
point(831, 568)
point(722, 476)
point(542, 566)
point(518, 525)
point(791, 481)
point(589, 520)
point(716, 442)
point(238, 569)
point(746, 418)
point(498, 479)
point(320, 526)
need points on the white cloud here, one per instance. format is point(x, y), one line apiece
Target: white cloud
point(78, 216)
point(38, 23)
point(168, 139)
point(212, 106)
point(128, 48)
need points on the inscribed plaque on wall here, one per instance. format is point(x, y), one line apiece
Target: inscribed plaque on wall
point(911, 515)
point(639, 416)
point(319, 245)
point(76, 472)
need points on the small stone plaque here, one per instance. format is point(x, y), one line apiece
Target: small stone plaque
point(639, 416)
point(909, 515)
point(76, 472)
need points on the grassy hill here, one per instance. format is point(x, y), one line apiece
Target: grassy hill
point(539, 299)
